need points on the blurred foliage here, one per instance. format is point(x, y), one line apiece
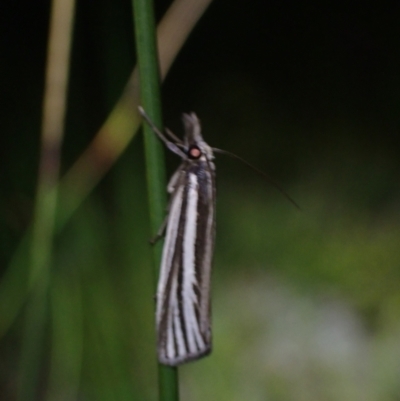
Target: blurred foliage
point(306, 303)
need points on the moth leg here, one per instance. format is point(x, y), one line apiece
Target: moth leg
point(172, 187)
point(175, 179)
point(160, 232)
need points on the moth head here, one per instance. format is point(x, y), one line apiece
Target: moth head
point(195, 146)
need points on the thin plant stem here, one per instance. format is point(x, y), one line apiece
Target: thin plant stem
point(145, 37)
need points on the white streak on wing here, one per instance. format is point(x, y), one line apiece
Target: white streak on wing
point(178, 331)
point(189, 276)
point(172, 304)
point(168, 251)
point(208, 253)
point(175, 311)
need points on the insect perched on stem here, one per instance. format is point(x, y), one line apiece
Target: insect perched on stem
point(183, 293)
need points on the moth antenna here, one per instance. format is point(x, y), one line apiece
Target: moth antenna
point(174, 137)
point(265, 176)
point(173, 147)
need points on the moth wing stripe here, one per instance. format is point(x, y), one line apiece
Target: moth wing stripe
point(170, 321)
point(208, 250)
point(168, 251)
point(189, 272)
point(178, 331)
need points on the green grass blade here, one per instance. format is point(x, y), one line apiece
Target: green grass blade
point(54, 106)
point(150, 97)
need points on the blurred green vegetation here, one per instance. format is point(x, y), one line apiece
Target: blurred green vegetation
point(306, 303)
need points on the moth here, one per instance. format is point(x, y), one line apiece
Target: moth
point(183, 316)
point(183, 293)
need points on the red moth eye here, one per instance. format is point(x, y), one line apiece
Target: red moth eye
point(194, 153)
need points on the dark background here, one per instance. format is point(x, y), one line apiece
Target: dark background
point(308, 92)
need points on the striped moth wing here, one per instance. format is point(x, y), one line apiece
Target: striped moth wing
point(183, 294)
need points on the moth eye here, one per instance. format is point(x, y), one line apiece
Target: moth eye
point(194, 152)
